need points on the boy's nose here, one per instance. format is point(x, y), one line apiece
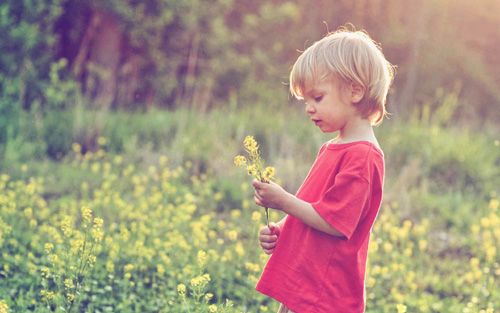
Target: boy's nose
point(310, 108)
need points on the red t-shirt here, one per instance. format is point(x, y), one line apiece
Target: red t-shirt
point(311, 271)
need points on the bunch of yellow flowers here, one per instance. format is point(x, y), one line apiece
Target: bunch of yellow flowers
point(254, 164)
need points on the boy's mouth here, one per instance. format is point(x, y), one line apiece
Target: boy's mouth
point(316, 121)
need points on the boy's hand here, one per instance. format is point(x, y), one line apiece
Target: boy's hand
point(268, 236)
point(269, 195)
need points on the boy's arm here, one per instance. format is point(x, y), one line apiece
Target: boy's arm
point(271, 195)
point(307, 214)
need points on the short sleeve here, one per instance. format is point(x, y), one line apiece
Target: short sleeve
point(343, 203)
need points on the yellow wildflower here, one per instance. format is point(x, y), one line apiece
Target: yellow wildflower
point(252, 169)
point(268, 173)
point(181, 289)
point(256, 216)
point(98, 222)
point(66, 226)
point(4, 308)
point(240, 160)
point(48, 247)
point(101, 141)
point(70, 297)
point(401, 308)
point(47, 295)
point(209, 296)
point(160, 269)
point(212, 308)
point(250, 144)
point(76, 147)
point(87, 214)
point(68, 283)
point(202, 258)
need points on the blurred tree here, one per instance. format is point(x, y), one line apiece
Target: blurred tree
point(26, 47)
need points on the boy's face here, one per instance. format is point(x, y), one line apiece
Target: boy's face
point(329, 106)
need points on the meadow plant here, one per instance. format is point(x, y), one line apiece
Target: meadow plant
point(71, 257)
point(255, 164)
point(4, 308)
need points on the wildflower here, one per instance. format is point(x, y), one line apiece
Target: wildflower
point(48, 247)
point(250, 144)
point(209, 296)
point(252, 170)
point(181, 289)
point(76, 147)
point(47, 295)
point(45, 271)
point(254, 165)
point(97, 234)
point(401, 308)
point(212, 308)
point(87, 214)
point(70, 297)
point(202, 258)
point(200, 280)
point(101, 141)
point(4, 308)
point(256, 216)
point(268, 173)
point(66, 226)
point(98, 222)
point(232, 235)
point(240, 160)
point(68, 283)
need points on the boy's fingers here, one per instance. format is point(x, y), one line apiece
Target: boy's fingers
point(268, 238)
point(256, 184)
point(275, 230)
point(265, 231)
point(268, 245)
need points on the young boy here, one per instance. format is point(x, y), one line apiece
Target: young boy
point(319, 249)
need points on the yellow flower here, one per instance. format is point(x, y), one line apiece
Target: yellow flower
point(87, 214)
point(181, 289)
point(101, 141)
point(209, 296)
point(202, 258)
point(47, 295)
point(401, 308)
point(70, 297)
point(232, 235)
point(250, 144)
point(494, 204)
point(48, 247)
point(4, 308)
point(240, 160)
point(76, 147)
point(66, 226)
point(268, 173)
point(98, 222)
point(256, 216)
point(252, 169)
point(68, 283)
point(212, 308)
point(200, 280)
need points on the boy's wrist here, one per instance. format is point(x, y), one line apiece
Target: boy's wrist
point(286, 202)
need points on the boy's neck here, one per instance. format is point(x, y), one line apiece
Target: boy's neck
point(357, 129)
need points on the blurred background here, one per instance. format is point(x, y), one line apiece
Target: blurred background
point(107, 57)
point(96, 95)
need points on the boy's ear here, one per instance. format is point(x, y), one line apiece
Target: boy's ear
point(357, 92)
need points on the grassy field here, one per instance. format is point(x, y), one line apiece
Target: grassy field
point(157, 218)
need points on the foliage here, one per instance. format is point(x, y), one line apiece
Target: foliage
point(173, 237)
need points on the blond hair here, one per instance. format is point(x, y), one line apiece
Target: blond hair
point(349, 57)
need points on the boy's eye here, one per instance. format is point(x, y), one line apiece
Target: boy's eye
point(318, 99)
